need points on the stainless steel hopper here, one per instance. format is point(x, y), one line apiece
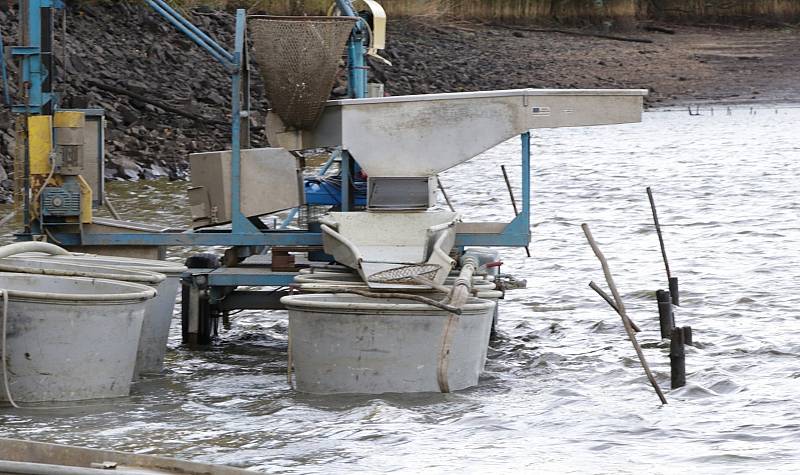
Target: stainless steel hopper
point(423, 135)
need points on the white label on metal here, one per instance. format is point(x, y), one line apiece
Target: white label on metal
point(540, 111)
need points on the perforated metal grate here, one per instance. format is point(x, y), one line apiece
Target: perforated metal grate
point(298, 58)
point(405, 274)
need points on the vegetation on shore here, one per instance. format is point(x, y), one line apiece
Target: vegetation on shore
point(537, 11)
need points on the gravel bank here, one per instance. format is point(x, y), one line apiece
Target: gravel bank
point(130, 48)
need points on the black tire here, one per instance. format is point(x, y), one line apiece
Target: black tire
point(204, 260)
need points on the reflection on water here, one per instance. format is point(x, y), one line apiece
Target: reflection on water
point(563, 389)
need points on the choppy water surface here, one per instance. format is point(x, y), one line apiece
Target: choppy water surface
point(563, 390)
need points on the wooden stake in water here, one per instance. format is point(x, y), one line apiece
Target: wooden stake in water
point(613, 305)
point(620, 307)
point(658, 231)
point(672, 281)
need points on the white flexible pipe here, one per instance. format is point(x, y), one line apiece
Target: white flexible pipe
point(142, 276)
point(32, 246)
point(463, 284)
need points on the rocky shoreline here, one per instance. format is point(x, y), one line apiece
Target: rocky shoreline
point(119, 55)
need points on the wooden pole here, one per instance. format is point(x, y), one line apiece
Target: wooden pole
point(623, 314)
point(111, 208)
point(613, 305)
point(658, 231)
point(673, 281)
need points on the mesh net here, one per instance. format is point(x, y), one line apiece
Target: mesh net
point(298, 58)
point(405, 274)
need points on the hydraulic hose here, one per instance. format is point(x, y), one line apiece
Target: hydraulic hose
point(463, 284)
point(32, 246)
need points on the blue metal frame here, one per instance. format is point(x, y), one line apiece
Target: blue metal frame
point(32, 69)
point(356, 64)
point(195, 34)
point(516, 234)
point(243, 232)
point(236, 64)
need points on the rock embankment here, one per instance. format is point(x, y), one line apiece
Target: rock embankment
point(165, 97)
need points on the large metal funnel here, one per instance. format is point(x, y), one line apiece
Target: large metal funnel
point(423, 135)
point(298, 58)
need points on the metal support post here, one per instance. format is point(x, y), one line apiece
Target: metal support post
point(239, 223)
point(526, 182)
point(245, 125)
point(346, 172)
point(357, 68)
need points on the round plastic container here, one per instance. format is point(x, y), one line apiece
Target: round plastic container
point(155, 331)
point(344, 343)
point(70, 338)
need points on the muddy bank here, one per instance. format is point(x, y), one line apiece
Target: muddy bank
point(116, 54)
point(694, 64)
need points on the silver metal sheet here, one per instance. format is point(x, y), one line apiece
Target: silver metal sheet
point(426, 134)
point(270, 181)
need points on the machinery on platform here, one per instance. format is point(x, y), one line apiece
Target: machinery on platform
point(376, 217)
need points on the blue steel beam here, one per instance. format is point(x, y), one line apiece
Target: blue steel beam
point(356, 66)
point(190, 27)
point(287, 238)
point(526, 181)
point(213, 48)
point(266, 279)
point(239, 222)
point(514, 235)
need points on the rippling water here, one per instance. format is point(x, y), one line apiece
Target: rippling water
point(563, 390)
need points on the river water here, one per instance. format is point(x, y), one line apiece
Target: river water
point(563, 390)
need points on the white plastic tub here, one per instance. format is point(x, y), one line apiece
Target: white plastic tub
point(344, 343)
point(154, 315)
point(69, 338)
point(155, 331)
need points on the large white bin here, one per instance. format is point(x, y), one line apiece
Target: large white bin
point(344, 343)
point(155, 331)
point(70, 338)
point(154, 311)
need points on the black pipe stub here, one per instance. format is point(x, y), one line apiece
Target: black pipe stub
point(677, 359)
point(666, 319)
point(674, 291)
point(687, 336)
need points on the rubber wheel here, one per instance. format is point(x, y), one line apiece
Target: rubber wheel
point(205, 260)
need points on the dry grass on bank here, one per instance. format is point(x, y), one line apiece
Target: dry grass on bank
point(525, 11)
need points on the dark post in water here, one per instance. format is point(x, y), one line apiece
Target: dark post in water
point(677, 359)
point(673, 290)
point(666, 318)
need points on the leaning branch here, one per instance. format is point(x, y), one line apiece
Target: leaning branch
point(620, 308)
